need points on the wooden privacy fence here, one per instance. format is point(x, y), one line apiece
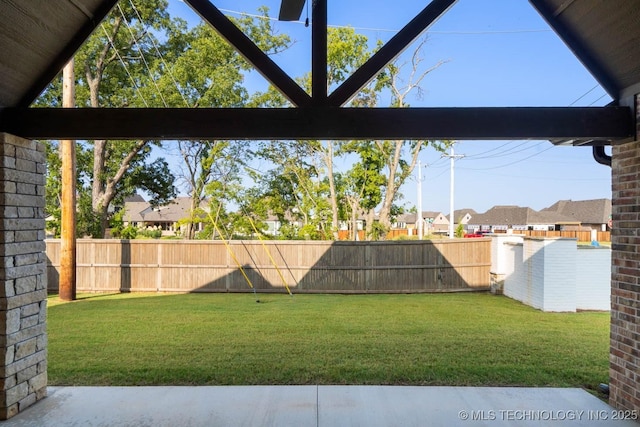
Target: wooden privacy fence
point(582, 236)
point(306, 266)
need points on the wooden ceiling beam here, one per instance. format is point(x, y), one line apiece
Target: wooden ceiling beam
point(252, 53)
point(319, 52)
point(394, 47)
point(552, 123)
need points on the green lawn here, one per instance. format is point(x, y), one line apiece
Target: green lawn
point(425, 339)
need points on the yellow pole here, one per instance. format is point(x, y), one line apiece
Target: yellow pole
point(233, 255)
point(284, 282)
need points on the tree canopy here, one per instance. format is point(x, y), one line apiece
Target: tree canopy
point(140, 56)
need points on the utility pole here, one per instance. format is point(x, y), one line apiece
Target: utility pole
point(67, 286)
point(452, 159)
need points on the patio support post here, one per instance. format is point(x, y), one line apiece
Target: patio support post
point(23, 293)
point(624, 381)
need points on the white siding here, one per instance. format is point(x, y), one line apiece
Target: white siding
point(559, 283)
point(543, 274)
point(593, 278)
point(501, 256)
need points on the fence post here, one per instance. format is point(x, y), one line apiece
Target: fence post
point(229, 270)
point(92, 262)
point(367, 266)
point(159, 269)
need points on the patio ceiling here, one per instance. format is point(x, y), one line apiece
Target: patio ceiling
point(38, 37)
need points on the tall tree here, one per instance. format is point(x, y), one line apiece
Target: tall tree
point(346, 51)
point(294, 190)
point(387, 164)
point(403, 79)
point(114, 68)
point(207, 72)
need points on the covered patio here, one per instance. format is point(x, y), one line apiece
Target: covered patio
point(34, 47)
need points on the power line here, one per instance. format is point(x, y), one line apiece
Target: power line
point(144, 60)
point(155, 46)
point(584, 94)
point(536, 178)
point(126, 69)
point(605, 94)
point(508, 152)
point(483, 155)
point(389, 30)
point(513, 163)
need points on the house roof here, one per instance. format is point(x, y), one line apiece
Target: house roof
point(460, 213)
point(172, 212)
point(38, 37)
point(134, 198)
point(133, 211)
point(516, 215)
point(407, 218)
point(430, 214)
point(597, 211)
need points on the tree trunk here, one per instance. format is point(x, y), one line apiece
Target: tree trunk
point(391, 188)
point(332, 191)
point(370, 218)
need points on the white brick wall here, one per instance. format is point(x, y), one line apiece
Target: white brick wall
point(501, 260)
point(593, 278)
point(559, 275)
point(553, 275)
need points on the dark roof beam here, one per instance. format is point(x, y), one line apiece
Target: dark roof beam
point(589, 123)
point(319, 52)
point(252, 53)
point(394, 47)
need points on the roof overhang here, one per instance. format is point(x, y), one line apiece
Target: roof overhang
point(603, 35)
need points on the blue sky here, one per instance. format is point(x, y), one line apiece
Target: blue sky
point(498, 53)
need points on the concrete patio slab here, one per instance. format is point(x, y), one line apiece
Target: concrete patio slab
point(374, 406)
point(319, 406)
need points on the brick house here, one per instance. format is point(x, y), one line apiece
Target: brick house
point(593, 214)
point(502, 218)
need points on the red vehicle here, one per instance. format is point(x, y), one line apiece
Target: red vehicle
point(473, 235)
point(479, 233)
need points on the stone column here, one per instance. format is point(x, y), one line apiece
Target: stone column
point(624, 380)
point(23, 294)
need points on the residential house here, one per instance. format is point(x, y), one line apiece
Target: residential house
point(502, 218)
point(407, 222)
point(435, 222)
point(592, 214)
point(165, 217)
point(273, 223)
point(462, 216)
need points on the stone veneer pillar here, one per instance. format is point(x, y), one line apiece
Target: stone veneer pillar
point(23, 293)
point(624, 377)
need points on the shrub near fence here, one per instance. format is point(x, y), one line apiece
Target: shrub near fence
point(306, 266)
